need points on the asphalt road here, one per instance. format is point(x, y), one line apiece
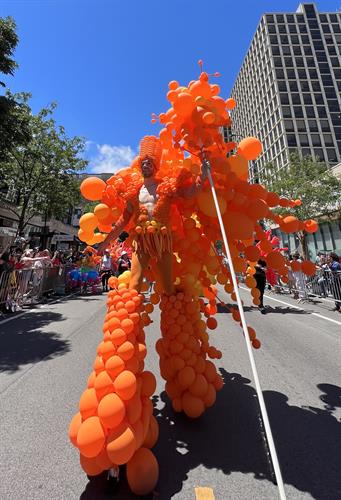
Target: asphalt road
point(46, 356)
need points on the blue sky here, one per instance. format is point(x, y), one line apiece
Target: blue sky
point(107, 63)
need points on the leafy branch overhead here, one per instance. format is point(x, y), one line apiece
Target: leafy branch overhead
point(44, 169)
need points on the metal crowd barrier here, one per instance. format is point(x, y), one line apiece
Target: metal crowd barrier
point(28, 286)
point(325, 284)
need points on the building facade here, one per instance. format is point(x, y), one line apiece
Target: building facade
point(288, 90)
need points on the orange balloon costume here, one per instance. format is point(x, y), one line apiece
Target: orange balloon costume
point(115, 424)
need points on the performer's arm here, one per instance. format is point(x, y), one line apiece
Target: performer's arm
point(196, 186)
point(117, 228)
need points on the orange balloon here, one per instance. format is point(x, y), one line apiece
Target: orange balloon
point(134, 409)
point(88, 403)
point(208, 118)
point(114, 366)
point(275, 260)
point(192, 405)
point(103, 385)
point(210, 396)
point(102, 211)
point(90, 466)
point(252, 253)
point(125, 385)
point(121, 444)
point(74, 428)
point(103, 460)
point(290, 224)
point(186, 376)
point(238, 225)
point(126, 350)
point(153, 433)
point(238, 165)
point(91, 437)
point(250, 148)
point(142, 472)
point(88, 222)
point(92, 188)
point(148, 384)
point(184, 104)
point(199, 386)
point(308, 268)
point(230, 103)
point(311, 226)
point(111, 410)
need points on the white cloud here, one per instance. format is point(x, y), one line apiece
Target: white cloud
point(109, 159)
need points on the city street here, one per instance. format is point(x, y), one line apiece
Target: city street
point(46, 356)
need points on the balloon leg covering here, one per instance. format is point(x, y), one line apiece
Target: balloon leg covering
point(191, 379)
point(115, 423)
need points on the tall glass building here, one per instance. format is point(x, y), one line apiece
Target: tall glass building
point(288, 90)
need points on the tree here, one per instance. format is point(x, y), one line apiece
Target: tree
point(13, 128)
point(43, 171)
point(310, 181)
point(8, 43)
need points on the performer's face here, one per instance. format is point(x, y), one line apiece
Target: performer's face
point(147, 168)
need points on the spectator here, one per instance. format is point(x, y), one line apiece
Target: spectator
point(260, 278)
point(106, 269)
point(123, 263)
point(335, 267)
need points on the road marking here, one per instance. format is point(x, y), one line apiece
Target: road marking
point(299, 308)
point(204, 493)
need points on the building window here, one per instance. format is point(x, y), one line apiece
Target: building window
point(293, 86)
point(302, 75)
point(319, 99)
point(282, 28)
point(278, 62)
point(291, 74)
point(305, 152)
point(307, 51)
point(305, 39)
point(272, 28)
point(280, 18)
point(336, 28)
point(307, 99)
point(313, 74)
point(286, 51)
point(288, 62)
point(282, 86)
point(292, 28)
point(289, 125)
point(316, 86)
point(298, 112)
point(286, 111)
point(321, 112)
point(325, 125)
point(275, 50)
point(319, 154)
point(291, 138)
point(300, 124)
point(328, 139)
point(295, 98)
point(313, 126)
point(310, 112)
point(273, 39)
point(302, 28)
point(331, 153)
point(295, 40)
point(310, 62)
point(269, 18)
point(304, 141)
point(316, 140)
point(284, 39)
point(325, 28)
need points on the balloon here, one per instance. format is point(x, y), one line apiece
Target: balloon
point(207, 206)
point(148, 384)
point(111, 410)
point(88, 222)
point(74, 428)
point(153, 433)
point(102, 211)
point(121, 444)
point(90, 437)
point(142, 472)
point(290, 224)
point(230, 103)
point(88, 403)
point(250, 148)
point(192, 405)
point(90, 466)
point(92, 188)
point(125, 385)
point(311, 226)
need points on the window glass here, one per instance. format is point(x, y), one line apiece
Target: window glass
point(325, 125)
point(292, 28)
point(275, 50)
point(315, 139)
point(336, 28)
point(295, 98)
point(293, 86)
point(284, 98)
point(331, 154)
point(306, 152)
point(289, 125)
point(305, 86)
point(280, 18)
point(319, 98)
point(328, 139)
point(286, 111)
point(286, 50)
point(307, 99)
point(298, 111)
point(288, 62)
point(300, 124)
point(304, 141)
point(313, 125)
point(269, 18)
point(291, 74)
point(337, 132)
point(284, 39)
point(282, 86)
point(321, 112)
point(302, 74)
point(307, 50)
point(310, 112)
point(282, 28)
point(272, 28)
point(325, 28)
point(319, 154)
point(279, 73)
point(295, 40)
point(291, 138)
point(297, 51)
point(273, 39)
point(305, 39)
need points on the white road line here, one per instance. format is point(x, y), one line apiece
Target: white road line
point(299, 308)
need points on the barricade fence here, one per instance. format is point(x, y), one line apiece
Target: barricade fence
point(325, 284)
point(29, 286)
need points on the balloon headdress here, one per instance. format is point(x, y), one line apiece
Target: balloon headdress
point(150, 147)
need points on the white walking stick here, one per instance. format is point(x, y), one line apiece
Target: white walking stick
point(248, 343)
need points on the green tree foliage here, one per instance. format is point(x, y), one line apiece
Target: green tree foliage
point(43, 170)
point(8, 43)
point(14, 129)
point(310, 181)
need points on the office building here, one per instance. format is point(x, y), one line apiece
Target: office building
point(288, 90)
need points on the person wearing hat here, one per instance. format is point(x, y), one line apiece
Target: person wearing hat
point(123, 263)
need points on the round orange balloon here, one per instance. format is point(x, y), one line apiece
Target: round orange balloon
point(125, 385)
point(92, 188)
point(74, 428)
point(111, 410)
point(142, 472)
point(121, 444)
point(91, 437)
point(192, 406)
point(250, 148)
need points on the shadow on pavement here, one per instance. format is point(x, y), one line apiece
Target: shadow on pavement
point(269, 309)
point(228, 438)
point(23, 342)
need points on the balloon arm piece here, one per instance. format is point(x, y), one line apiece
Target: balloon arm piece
point(264, 413)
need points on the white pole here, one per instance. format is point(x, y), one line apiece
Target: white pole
point(248, 344)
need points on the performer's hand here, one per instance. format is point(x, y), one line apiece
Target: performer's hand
point(205, 166)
